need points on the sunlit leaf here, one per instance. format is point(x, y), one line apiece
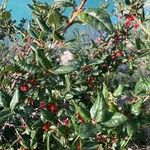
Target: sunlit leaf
point(116, 120)
point(98, 110)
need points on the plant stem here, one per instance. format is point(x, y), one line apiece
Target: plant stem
point(125, 144)
point(47, 141)
point(75, 14)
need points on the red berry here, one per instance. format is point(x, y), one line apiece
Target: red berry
point(46, 126)
point(66, 121)
point(113, 57)
point(30, 101)
point(128, 21)
point(81, 120)
point(91, 80)
point(130, 18)
point(24, 88)
point(23, 148)
point(136, 25)
point(118, 53)
point(52, 107)
point(32, 81)
point(78, 146)
point(42, 105)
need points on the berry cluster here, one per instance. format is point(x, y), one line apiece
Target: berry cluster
point(129, 20)
point(116, 55)
point(26, 86)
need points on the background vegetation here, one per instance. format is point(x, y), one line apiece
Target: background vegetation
point(65, 89)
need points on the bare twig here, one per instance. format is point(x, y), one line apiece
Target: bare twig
point(75, 14)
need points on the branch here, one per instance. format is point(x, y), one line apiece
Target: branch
point(75, 14)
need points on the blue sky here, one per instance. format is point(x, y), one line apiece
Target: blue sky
point(20, 9)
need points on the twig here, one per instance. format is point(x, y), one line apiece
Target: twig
point(75, 14)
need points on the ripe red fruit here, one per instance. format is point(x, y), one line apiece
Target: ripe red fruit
point(91, 80)
point(52, 107)
point(81, 120)
point(78, 146)
point(130, 18)
point(66, 121)
point(42, 105)
point(118, 53)
point(116, 37)
point(128, 21)
point(136, 25)
point(24, 88)
point(31, 103)
point(32, 82)
point(46, 126)
point(127, 24)
point(113, 56)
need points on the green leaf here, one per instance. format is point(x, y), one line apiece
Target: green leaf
point(10, 68)
point(143, 14)
point(4, 99)
point(138, 43)
point(105, 91)
point(87, 130)
point(143, 85)
point(64, 130)
point(83, 112)
point(4, 112)
point(5, 118)
point(57, 36)
point(6, 15)
point(136, 108)
point(42, 60)
point(33, 69)
point(64, 69)
point(127, 2)
point(42, 35)
point(90, 145)
point(37, 124)
point(54, 19)
point(97, 18)
point(98, 110)
point(30, 6)
point(116, 120)
point(25, 143)
point(95, 62)
point(131, 127)
point(4, 4)
point(42, 24)
point(118, 91)
point(14, 100)
point(64, 3)
point(5, 81)
point(33, 134)
point(33, 140)
point(48, 116)
point(4, 115)
point(33, 33)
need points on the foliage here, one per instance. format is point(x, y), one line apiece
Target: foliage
point(48, 105)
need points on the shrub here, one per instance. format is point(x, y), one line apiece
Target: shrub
point(96, 100)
